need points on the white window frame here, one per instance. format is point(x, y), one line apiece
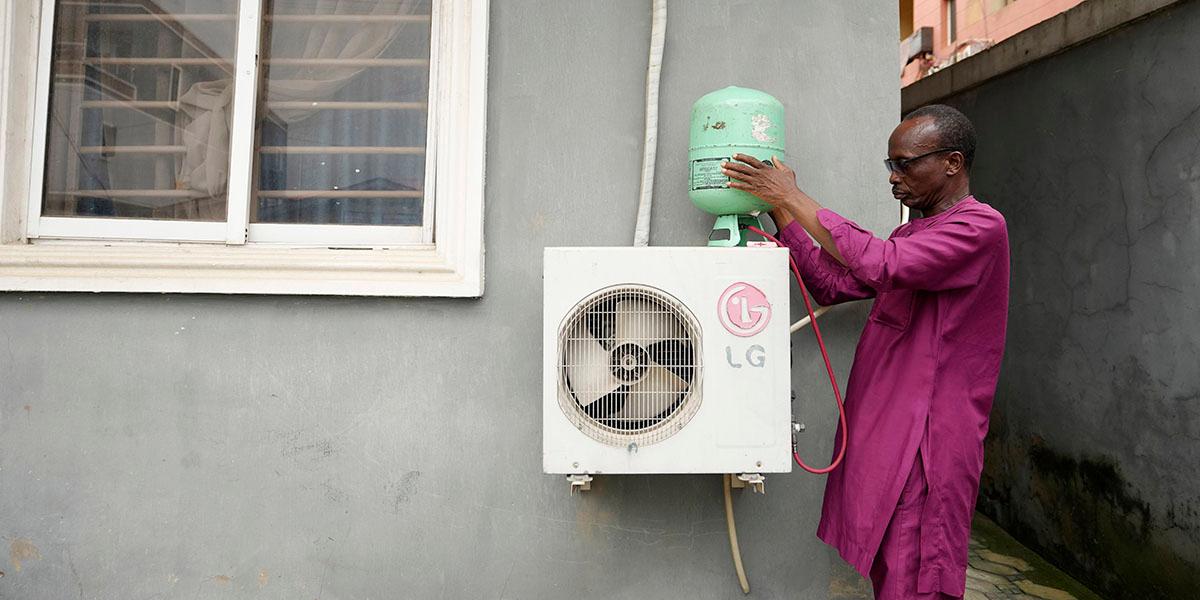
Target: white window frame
point(443, 257)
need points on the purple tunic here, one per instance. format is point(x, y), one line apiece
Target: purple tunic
point(923, 377)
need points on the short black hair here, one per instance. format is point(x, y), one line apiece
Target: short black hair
point(954, 129)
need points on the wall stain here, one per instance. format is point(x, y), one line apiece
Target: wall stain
point(20, 550)
point(318, 450)
point(263, 578)
point(593, 513)
point(1099, 529)
point(222, 579)
point(333, 493)
point(401, 491)
point(190, 460)
point(302, 444)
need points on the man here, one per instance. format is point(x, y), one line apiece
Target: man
point(899, 507)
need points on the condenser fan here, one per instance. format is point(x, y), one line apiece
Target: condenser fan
point(629, 364)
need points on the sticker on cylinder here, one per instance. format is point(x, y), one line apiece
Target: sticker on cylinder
point(707, 175)
point(743, 309)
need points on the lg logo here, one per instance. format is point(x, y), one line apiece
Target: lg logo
point(756, 356)
point(743, 309)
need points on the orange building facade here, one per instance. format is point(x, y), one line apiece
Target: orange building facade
point(959, 28)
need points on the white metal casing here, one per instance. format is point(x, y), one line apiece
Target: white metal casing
point(742, 424)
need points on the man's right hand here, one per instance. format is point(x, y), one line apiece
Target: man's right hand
point(776, 185)
point(772, 182)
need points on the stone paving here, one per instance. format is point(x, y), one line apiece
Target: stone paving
point(995, 576)
point(991, 574)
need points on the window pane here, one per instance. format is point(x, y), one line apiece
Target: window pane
point(138, 123)
point(342, 113)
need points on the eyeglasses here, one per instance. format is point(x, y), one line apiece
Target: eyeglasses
point(900, 165)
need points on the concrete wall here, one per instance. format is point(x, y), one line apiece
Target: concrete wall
point(1094, 450)
point(294, 447)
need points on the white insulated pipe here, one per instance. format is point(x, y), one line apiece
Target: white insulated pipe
point(658, 31)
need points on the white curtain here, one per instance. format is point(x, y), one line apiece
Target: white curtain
point(205, 110)
point(205, 107)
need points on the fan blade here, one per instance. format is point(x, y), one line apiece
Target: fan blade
point(601, 320)
point(676, 356)
point(608, 405)
point(653, 398)
point(643, 322)
point(588, 367)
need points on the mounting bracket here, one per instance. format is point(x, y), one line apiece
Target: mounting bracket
point(756, 481)
point(581, 482)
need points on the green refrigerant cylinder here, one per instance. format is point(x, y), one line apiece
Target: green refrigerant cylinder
point(724, 123)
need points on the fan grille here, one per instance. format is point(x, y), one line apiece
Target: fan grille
point(629, 365)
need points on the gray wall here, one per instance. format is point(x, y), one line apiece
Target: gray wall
point(201, 446)
point(1094, 451)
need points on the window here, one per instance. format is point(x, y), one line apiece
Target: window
point(906, 19)
point(995, 5)
point(289, 135)
point(951, 22)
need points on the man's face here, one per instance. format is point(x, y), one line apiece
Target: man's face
point(917, 183)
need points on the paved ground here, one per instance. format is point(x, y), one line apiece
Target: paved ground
point(1000, 569)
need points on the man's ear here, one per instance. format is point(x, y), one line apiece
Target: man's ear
point(955, 162)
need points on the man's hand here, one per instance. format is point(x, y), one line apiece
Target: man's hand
point(775, 185)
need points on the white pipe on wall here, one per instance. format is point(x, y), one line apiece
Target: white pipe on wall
point(641, 232)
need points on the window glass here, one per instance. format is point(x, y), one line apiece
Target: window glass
point(138, 123)
point(341, 122)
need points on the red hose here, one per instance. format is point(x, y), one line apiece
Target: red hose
point(837, 394)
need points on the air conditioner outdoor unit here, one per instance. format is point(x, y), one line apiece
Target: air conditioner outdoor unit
point(666, 360)
point(920, 42)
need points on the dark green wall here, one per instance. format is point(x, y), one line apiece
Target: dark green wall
point(1093, 156)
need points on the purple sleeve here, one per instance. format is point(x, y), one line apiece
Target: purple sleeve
point(948, 255)
point(829, 281)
